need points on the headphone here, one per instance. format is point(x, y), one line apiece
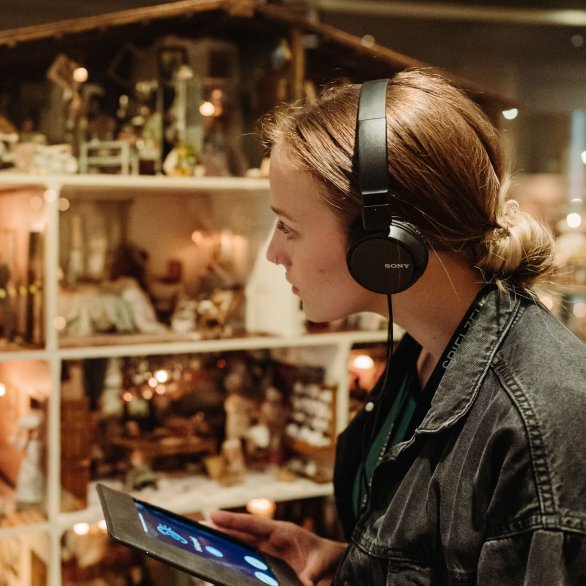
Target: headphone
point(386, 254)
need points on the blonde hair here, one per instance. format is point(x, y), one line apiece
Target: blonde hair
point(446, 167)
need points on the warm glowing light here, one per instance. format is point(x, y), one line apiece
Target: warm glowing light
point(362, 362)
point(102, 525)
point(63, 204)
point(207, 109)
point(2, 389)
point(80, 74)
point(510, 114)
point(81, 528)
point(197, 237)
point(583, 156)
point(367, 41)
point(579, 310)
point(127, 396)
point(153, 382)
point(162, 376)
point(147, 394)
point(59, 322)
point(261, 507)
point(574, 220)
point(184, 73)
point(50, 195)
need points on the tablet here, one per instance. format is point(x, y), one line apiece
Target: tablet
point(189, 546)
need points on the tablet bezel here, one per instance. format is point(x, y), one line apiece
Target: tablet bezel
point(123, 525)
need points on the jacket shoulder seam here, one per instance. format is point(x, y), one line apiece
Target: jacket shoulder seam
point(566, 523)
point(537, 448)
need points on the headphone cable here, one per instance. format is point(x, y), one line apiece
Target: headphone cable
point(376, 409)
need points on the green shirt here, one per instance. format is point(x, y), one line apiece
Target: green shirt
point(393, 430)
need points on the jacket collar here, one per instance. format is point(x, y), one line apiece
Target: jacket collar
point(469, 365)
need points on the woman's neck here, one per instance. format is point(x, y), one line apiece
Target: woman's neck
point(432, 309)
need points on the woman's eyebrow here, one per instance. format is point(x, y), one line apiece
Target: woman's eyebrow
point(279, 212)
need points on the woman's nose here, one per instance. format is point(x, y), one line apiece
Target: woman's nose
point(275, 252)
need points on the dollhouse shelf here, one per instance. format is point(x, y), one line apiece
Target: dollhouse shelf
point(149, 345)
point(10, 181)
point(198, 494)
point(134, 346)
point(187, 494)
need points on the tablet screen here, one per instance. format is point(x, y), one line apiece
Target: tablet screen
point(195, 539)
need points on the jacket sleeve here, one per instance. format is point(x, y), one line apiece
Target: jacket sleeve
point(534, 557)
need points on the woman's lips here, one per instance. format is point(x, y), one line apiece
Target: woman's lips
point(293, 288)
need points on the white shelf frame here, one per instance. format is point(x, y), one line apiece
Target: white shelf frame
point(53, 354)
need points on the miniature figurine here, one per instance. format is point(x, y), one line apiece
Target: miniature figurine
point(239, 408)
point(140, 475)
point(30, 484)
point(128, 278)
point(265, 439)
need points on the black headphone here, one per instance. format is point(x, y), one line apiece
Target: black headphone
point(385, 254)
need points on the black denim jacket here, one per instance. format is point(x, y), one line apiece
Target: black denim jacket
point(491, 488)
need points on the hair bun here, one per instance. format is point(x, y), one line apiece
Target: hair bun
point(519, 249)
point(509, 213)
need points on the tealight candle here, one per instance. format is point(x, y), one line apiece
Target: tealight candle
point(261, 507)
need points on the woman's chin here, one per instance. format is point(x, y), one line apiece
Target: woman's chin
point(320, 317)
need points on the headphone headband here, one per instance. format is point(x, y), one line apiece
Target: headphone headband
point(371, 145)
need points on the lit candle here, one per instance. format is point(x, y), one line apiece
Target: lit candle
point(81, 528)
point(363, 367)
point(261, 507)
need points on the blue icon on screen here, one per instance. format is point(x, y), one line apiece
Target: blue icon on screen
point(169, 531)
point(255, 562)
point(266, 579)
point(213, 551)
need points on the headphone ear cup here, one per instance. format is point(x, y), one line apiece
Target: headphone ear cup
point(387, 262)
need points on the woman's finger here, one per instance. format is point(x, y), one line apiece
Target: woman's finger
point(249, 538)
point(243, 522)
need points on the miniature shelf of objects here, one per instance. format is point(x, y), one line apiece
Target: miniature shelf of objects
point(145, 345)
point(155, 182)
point(189, 494)
point(199, 494)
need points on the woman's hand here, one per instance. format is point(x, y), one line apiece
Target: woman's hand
point(313, 558)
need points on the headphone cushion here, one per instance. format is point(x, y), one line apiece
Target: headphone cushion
point(387, 262)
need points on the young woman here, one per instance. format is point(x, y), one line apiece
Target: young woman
point(465, 465)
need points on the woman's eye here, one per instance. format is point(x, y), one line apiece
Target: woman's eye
point(283, 228)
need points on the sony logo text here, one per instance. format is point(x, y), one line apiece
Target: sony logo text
point(396, 266)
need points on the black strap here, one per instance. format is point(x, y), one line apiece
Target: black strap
point(371, 137)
